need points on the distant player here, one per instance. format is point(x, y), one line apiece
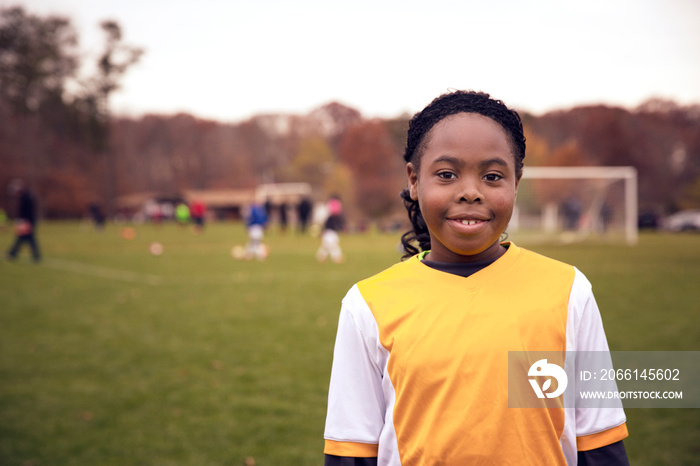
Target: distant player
point(304, 209)
point(330, 240)
point(256, 223)
point(420, 367)
point(25, 218)
point(182, 214)
point(198, 211)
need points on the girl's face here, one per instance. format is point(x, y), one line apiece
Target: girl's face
point(466, 187)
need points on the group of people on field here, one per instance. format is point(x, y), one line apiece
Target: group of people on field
point(26, 216)
point(257, 221)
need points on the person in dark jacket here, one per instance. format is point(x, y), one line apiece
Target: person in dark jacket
point(25, 221)
point(304, 214)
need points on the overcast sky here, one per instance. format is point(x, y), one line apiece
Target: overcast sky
point(231, 59)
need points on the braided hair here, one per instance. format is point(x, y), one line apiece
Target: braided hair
point(419, 133)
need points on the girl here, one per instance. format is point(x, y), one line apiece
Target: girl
point(420, 367)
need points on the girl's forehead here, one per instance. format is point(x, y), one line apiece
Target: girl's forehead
point(467, 136)
point(466, 119)
point(467, 128)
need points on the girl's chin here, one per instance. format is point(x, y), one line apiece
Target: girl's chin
point(460, 254)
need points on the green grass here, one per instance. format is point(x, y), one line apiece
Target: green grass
point(112, 356)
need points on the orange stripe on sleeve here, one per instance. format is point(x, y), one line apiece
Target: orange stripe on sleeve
point(355, 450)
point(601, 439)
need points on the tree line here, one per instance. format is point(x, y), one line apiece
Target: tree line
point(57, 133)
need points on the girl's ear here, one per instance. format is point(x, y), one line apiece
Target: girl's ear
point(412, 174)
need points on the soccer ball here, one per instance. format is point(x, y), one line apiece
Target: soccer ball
point(156, 249)
point(238, 252)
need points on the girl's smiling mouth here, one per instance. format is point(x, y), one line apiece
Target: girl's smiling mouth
point(471, 222)
point(468, 225)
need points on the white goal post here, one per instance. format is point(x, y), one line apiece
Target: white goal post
point(574, 203)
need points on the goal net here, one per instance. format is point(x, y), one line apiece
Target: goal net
point(569, 204)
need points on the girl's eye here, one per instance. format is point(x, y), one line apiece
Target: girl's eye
point(492, 177)
point(447, 175)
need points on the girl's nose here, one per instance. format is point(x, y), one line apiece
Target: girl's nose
point(470, 192)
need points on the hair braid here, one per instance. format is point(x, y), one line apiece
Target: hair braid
point(419, 233)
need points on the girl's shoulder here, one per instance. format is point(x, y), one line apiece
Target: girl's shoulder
point(406, 272)
point(538, 270)
point(531, 258)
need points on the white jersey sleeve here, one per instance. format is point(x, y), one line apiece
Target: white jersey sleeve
point(593, 427)
point(356, 405)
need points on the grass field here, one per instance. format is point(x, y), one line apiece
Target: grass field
point(112, 356)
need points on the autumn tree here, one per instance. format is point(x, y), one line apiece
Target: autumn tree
point(38, 56)
point(330, 121)
point(377, 167)
point(112, 64)
point(313, 163)
point(659, 139)
point(262, 142)
point(55, 118)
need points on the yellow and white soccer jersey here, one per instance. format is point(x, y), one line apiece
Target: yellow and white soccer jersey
point(420, 367)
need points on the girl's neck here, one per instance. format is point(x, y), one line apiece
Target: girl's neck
point(492, 253)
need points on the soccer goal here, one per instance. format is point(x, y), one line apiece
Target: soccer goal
point(568, 204)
